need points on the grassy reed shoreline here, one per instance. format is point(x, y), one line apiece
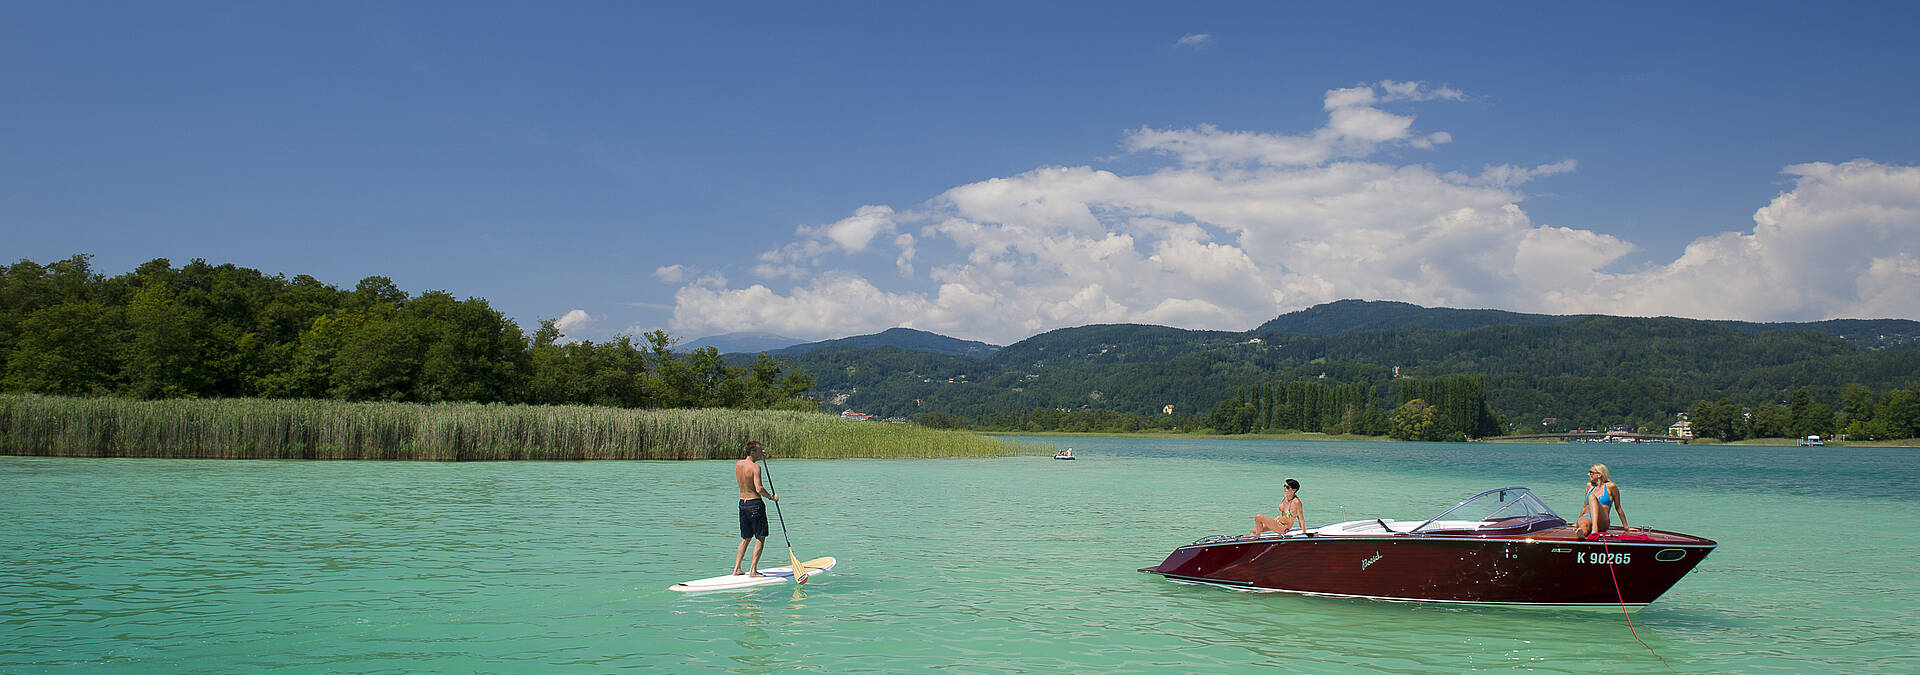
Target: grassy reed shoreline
point(317, 429)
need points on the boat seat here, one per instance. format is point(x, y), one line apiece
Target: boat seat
point(1397, 527)
point(1363, 527)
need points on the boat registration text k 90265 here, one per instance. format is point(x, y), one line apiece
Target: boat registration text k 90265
point(1602, 558)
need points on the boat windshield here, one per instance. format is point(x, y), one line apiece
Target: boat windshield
point(1502, 508)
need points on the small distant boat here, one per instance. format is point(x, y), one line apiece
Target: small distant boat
point(1812, 441)
point(1499, 547)
point(1065, 454)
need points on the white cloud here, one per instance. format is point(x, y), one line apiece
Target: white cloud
point(826, 306)
point(850, 236)
point(1507, 175)
point(572, 323)
point(1195, 40)
point(854, 233)
point(1841, 243)
point(1418, 91)
point(1241, 226)
point(672, 274)
point(904, 262)
point(1355, 128)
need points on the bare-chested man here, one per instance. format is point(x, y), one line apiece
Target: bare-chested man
point(753, 512)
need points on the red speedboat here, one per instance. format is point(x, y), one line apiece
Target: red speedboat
point(1499, 547)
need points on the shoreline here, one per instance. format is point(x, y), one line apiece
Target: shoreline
point(1310, 436)
point(1289, 436)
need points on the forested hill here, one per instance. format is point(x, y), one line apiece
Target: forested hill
point(1868, 334)
point(904, 338)
point(1587, 370)
point(1362, 316)
point(1113, 343)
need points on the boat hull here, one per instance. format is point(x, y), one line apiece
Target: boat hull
point(1541, 570)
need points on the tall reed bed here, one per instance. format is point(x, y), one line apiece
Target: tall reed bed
point(311, 429)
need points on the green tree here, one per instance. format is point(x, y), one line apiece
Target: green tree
point(308, 372)
point(379, 359)
point(1772, 420)
point(1810, 417)
point(940, 420)
point(27, 287)
point(1234, 416)
point(1857, 403)
point(65, 349)
point(1415, 421)
point(373, 291)
point(1900, 413)
point(164, 355)
point(769, 385)
point(1720, 419)
point(469, 351)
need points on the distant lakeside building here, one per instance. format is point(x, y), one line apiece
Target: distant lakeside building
point(1682, 428)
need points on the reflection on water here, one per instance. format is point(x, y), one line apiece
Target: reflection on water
point(1016, 564)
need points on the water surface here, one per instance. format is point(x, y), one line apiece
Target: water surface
point(1017, 564)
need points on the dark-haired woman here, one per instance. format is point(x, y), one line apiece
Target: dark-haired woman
point(1292, 513)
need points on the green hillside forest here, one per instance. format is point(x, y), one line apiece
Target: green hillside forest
point(1535, 373)
point(1365, 368)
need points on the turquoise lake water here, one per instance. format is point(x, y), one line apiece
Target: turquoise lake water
point(1017, 564)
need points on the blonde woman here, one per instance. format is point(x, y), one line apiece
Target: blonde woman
point(1603, 498)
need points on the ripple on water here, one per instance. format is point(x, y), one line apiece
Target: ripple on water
point(1020, 564)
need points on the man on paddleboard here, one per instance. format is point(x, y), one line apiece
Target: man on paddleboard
point(753, 512)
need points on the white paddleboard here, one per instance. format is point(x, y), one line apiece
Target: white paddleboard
point(776, 575)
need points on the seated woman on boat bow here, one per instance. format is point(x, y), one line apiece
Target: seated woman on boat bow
point(1292, 513)
point(1602, 496)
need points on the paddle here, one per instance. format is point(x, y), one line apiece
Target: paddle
point(799, 571)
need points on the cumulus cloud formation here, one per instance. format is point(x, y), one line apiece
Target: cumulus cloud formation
point(1841, 243)
point(571, 323)
point(828, 303)
point(850, 236)
point(1239, 226)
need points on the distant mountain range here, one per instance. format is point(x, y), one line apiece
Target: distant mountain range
point(1591, 368)
point(1360, 316)
point(1343, 317)
point(903, 338)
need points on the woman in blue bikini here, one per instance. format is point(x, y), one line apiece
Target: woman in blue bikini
point(1602, 497)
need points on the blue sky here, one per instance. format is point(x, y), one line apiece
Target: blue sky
point(983, 170)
